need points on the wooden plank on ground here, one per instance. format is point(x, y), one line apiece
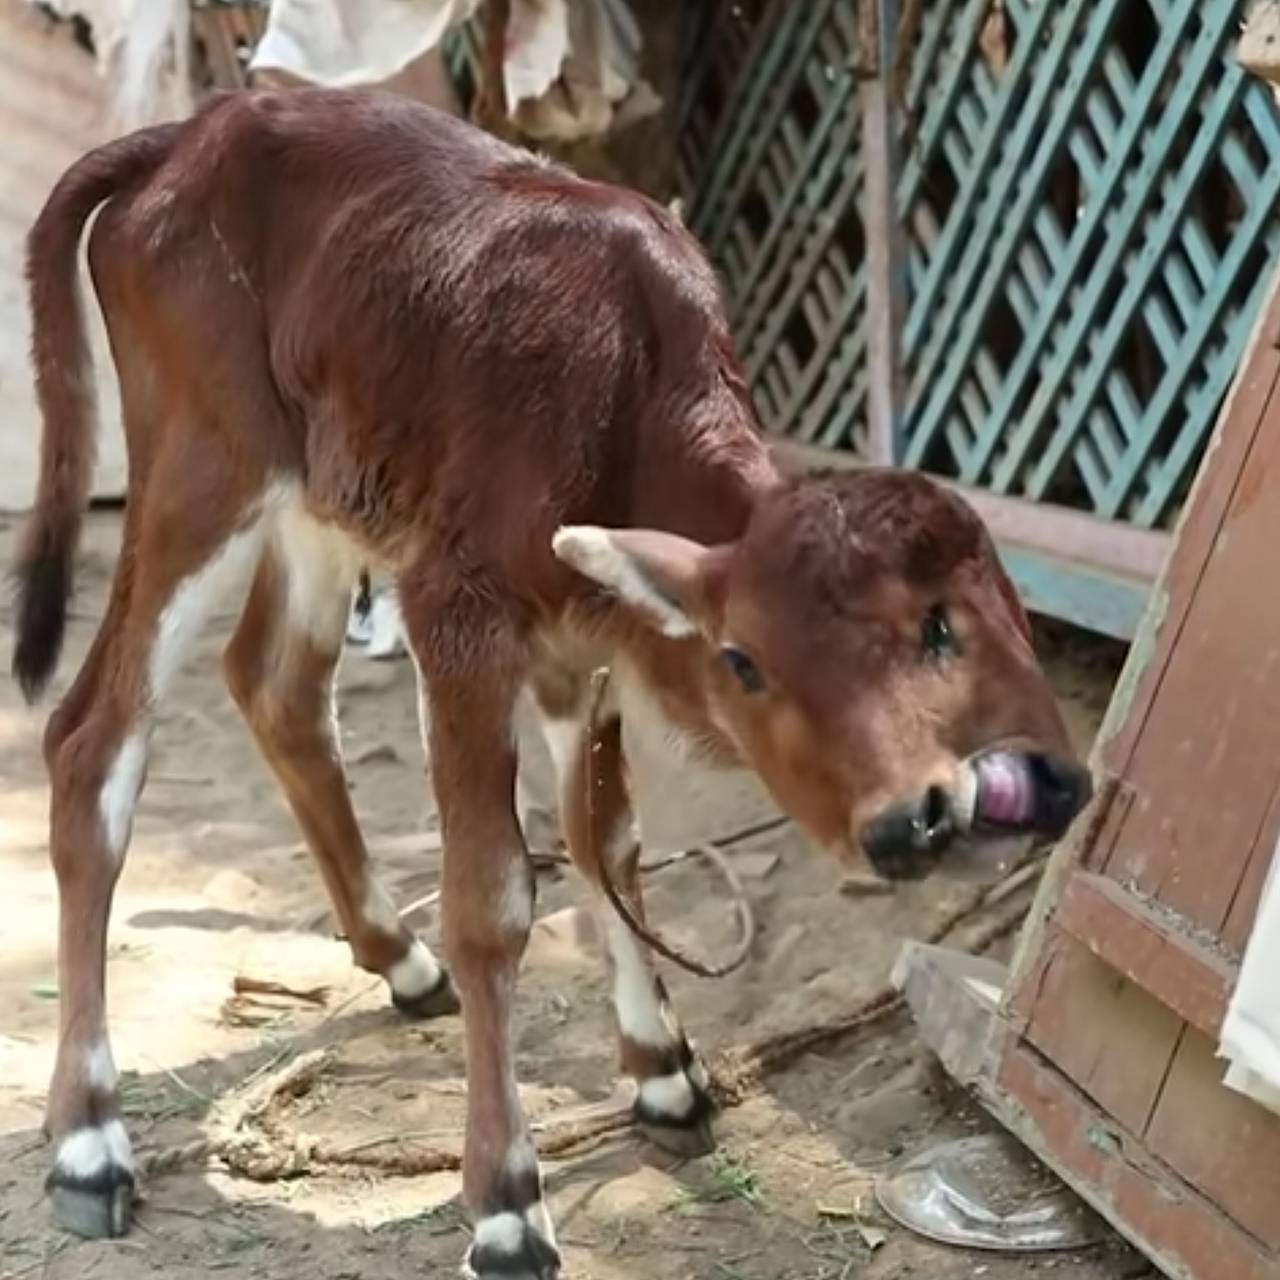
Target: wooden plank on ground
point(1182, 1231)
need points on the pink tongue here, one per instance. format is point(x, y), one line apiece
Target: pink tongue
point(1005, 793)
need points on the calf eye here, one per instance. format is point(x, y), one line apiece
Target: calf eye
point(936, 637)
point(745, 671)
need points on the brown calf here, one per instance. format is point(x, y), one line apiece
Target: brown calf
point(349, 329)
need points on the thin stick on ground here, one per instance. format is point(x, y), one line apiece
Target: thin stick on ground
point(254, 1140)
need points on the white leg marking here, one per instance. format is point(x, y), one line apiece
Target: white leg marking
point(100, 1067)
point(515, 908)
point(321, 563)
point(642, 1017)
point(424, 710)
point(668, 1095)
point(86, 1152)
point(119, 795)
point(521, 1158)
point(184, 617)
point(179, 625)
point(378, 909)
point(415, 973)
point(503, 1232)
point(538, 1216)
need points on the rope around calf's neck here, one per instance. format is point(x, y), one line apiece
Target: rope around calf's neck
point(746, 918)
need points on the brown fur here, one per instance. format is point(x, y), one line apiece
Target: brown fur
point(446, 350)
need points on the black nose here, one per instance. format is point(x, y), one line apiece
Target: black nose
point(904, 843)
point(1063, 787)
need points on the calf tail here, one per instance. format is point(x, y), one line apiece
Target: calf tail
point(65, 390)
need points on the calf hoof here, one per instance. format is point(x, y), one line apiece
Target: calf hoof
point(674, 1113)
point(436, 1002)
point(94, 1214)
point(90, 1186)
point(507, 1248)
point(687, 1141)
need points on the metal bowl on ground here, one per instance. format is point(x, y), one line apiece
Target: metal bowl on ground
point(986, 1192)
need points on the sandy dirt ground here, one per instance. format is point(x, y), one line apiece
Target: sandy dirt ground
point(218, 885)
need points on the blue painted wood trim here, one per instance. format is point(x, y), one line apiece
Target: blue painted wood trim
point(1108, 603)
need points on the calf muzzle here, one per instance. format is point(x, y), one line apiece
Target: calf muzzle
point(998, 794)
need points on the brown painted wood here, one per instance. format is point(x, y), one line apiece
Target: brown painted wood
point(1151, 947)
point(1103, 1032)
point(1239, 922)
point(1120, 982)
point(1202, 796)
point(1184, 1232)
point(1243, 414)
point(1218, 1140)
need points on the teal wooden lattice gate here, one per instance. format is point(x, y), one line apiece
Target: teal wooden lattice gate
point(1039, 291)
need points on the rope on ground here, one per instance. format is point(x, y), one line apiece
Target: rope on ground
point(254, 1140)
point(739, 1070)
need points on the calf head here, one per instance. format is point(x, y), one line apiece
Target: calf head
point(862, 649)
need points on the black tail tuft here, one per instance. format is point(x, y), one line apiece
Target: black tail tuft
point(40, 605)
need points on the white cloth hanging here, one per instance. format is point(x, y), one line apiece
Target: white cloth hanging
point(1250, 1036)
point(570, 67)
point(341, 43)
point(143, 53)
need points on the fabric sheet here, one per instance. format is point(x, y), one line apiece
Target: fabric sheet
point(1250, 1036)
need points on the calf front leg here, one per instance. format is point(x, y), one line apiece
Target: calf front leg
point(280, 668)
point(673, 1107)
point(487, 911)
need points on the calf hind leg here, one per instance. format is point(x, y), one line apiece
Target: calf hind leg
point(280, 667)
point(167, 582)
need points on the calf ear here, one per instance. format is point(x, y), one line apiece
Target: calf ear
point(670, 580)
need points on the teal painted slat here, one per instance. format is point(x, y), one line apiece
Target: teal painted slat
point(775, 320)
point(1203, 405)
point(739, 164)
point(1184, 290)
point(1085, 297)
point(1190, 354)
point(923, 82)
point(1138, 274)
point(769, 48)
point(1127, 311)
point(940, 102)
point(844, 371)
point(961, 325)
point(833, 185)
point(838, 111)
point(1003, 140)
point(855, 302)
point(1106, 603)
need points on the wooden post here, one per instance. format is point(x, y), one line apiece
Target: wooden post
point(886, 261)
